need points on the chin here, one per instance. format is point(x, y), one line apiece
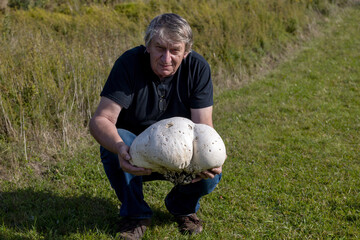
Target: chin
point(166, 74)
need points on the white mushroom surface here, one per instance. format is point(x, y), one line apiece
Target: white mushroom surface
point(178, 149)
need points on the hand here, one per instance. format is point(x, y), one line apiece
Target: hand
point(208, 174)
point(124, 157)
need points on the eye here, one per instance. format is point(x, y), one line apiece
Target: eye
point(175, 51)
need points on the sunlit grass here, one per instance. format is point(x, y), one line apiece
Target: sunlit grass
point(292, 142)
point(56, 56)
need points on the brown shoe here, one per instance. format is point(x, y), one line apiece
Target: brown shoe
point(132, 229)
point(190, 224)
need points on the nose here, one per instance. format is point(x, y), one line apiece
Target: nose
point(166, 58)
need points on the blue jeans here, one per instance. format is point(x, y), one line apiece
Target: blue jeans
point(182, 199)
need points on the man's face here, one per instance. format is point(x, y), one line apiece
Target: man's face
point(165, 57)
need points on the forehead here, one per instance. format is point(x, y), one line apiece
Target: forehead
point(168, 42)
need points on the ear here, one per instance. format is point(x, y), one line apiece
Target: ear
point(186, 54)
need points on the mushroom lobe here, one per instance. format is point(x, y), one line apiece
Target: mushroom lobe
point(178, 149)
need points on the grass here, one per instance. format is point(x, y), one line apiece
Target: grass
point(293, 140)
point(56, 56)
point(292, 170)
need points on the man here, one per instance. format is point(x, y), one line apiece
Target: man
point(149, 83)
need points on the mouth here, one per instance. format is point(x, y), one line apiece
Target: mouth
point(164, 65)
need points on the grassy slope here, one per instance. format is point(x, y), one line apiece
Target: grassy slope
point(292, 170)
point(54, 60)
point(293, 139)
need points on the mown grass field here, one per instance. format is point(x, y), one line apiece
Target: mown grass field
point(292, 171)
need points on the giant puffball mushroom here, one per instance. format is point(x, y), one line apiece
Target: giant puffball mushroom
point(178, 149)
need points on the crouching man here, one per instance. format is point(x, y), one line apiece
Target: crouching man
point(160, 80)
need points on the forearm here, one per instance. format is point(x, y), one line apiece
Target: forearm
point(105, 133)
point(202, 115)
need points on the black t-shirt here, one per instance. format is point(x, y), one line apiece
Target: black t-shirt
point(145, 99)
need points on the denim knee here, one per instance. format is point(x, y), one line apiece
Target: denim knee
point(128, 187)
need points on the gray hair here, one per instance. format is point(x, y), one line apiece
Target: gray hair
point(171, 28)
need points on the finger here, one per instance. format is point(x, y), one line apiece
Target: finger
point(206, 175)
point(215, 171)
point(196, 180)
point(203, 175)
point(127, 167)
point(138, 171)
point(141, 172)
point(125, 156)
point(124, 151)
point(209, 174)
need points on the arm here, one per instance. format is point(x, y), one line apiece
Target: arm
point(204, 116)
point(103, 129)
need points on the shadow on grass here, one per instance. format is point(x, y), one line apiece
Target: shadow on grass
point(50, 214)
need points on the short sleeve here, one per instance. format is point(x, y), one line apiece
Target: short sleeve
point(202, 92)
point(118, 86)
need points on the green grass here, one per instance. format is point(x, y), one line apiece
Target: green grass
point(56, 55)
point(292, 170)
point(293, 140)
